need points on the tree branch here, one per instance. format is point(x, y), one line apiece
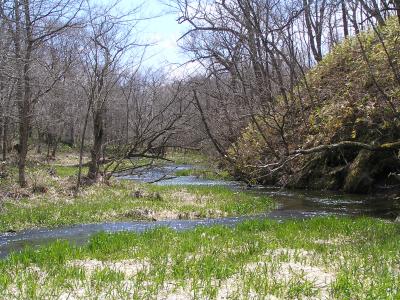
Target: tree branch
point(349, 144)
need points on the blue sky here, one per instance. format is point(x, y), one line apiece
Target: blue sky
point(163, 30)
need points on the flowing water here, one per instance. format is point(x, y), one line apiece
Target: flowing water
point(290, 204)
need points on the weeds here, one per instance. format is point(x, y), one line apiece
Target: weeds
point(257, 259)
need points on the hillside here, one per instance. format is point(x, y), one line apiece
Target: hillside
point(353, 95)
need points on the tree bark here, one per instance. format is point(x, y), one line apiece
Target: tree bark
point(98, 135)
point(314, 32)
point(82, 144)
point(5, 138)
point(22, 92)
point(344, 18)
point(54, 148)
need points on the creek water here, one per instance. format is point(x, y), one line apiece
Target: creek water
point(290, 204)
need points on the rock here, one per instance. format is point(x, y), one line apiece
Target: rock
point(19, 194)
point(395, 176)
point(316, 174)
point(137, 194)
point(40, 189)
point(140, 214)
point(156, 196)
point(397, 220)
point(182, 216)
point(52, 172)
point(358, 179)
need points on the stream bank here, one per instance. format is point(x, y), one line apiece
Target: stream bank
point(317, 258)
point(290, 204)
point(326, 248)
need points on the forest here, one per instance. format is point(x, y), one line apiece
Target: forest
point(277, 97)
point(275, 143)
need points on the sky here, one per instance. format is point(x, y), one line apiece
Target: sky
point(163, 30)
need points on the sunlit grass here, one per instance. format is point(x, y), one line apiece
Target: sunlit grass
point(187, 157)
point(205, 174)
point(127, 201)
point(358, 259)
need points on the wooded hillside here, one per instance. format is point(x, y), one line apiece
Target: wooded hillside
point(347, 137)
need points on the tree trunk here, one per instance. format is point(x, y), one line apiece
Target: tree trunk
point(397, 7)
point(345, 21)
point(40, 142)
point(313, 31)
point(71, 139)
point(49, 141)
point(5, 138)
point(82, 144)
point(23, 144)
point(54, 148)
point(24, 92)
point(372, 8)
point(24, 121)
point(98, 135)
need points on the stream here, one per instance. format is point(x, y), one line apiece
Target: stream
point(290, 204)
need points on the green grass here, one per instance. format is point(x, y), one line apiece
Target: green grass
point(124, 201)
point(205, 174)
point(48, 200)
point(358, 259)
point(43, 170)
point(187, 157)
point(68, 171)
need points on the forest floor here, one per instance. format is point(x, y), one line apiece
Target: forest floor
point(50, 200)
point(321, 258)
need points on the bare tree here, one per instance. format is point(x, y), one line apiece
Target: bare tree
point(158, 115)
point(32, 24)
point(109, 41)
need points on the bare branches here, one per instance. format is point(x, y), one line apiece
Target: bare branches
point(205, 123)
point(349, 144)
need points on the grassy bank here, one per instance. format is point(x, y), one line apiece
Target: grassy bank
point(320, 258)
point(49, 199)
point(125, 201)
point(205, 174)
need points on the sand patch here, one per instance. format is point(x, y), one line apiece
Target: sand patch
point(128, 267)
point(189, 198)
point(274, 270)
point(277, 266)
point(232, 289)
point(291, 253)
point(335, 241)
point(151, 215)
point(170, 291)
